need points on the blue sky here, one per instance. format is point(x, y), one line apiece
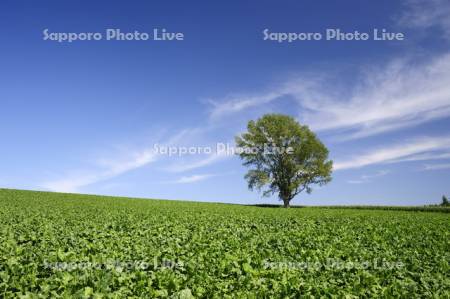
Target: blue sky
point(85, 116)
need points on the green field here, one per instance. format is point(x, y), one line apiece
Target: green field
point(64, 245)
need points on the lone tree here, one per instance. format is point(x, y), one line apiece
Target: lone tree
point(284, 156)
point(444, 201)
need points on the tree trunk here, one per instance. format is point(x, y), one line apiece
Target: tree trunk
point(286, 203)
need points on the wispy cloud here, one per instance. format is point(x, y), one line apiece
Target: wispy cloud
point(131, 158)
point(198, 163)
point(403, 93)
point(109, 167)
point(369, 177)
point(427, 14)
point(436, 166)
point(440, 155)
point(396, 153)
point(237, 103)
point(193, 178)
point(399, 94)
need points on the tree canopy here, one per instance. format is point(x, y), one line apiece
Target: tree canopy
point(284, 157)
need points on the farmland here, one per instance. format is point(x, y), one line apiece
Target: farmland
point(66, 245)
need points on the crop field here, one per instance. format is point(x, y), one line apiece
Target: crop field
point(65, 245)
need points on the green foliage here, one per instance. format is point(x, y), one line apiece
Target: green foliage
point(286, 157)
point(445, 201)
point(219, 250)
point(429, 208)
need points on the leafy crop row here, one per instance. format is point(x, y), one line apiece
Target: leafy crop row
point(119, 247)
point(430, 208)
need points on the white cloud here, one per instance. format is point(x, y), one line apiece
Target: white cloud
point(427, 14)
point(193, 178)
point(426, 156)
point(198, 163)
point(236, 104)
point(404, 93)
point(436, 166)
point(369, 177)
point(130, 159)
point(107, 168)
point(396, 153)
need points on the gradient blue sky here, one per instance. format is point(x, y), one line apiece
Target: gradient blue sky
point(84, 116)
